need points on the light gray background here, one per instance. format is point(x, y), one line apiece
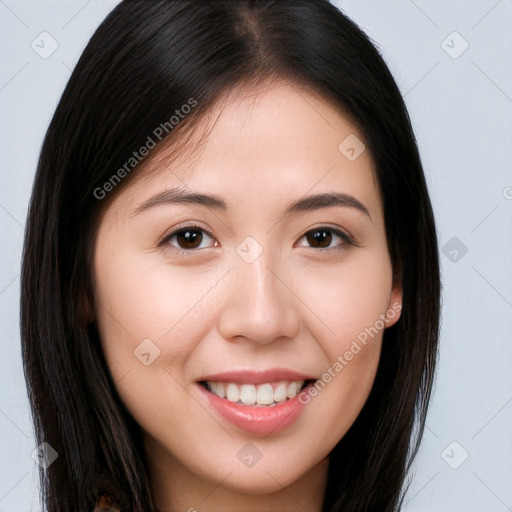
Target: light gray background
point(462, 114)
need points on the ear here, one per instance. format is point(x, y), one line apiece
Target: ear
point(395, 305)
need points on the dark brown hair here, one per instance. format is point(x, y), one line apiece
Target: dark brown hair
point(145, 61)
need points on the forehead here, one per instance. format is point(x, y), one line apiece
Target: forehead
point(270, 143)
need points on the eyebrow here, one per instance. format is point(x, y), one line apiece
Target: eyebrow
point(306, 204)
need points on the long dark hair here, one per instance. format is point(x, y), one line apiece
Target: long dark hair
point(145, 61)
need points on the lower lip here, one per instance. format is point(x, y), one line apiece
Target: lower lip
point(260, 420)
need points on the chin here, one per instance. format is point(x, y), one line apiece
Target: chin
point(258, 483)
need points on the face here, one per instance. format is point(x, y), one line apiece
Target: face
point(208, 305)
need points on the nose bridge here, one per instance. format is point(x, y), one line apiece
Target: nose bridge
point(259, 306)
point(261, 283)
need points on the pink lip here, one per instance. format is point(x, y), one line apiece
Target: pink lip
point(257, 376)
point(260, 420)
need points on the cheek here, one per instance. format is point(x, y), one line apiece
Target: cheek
point(172, 307)
point(150, 319)
point(349, 299)
point(136, 302)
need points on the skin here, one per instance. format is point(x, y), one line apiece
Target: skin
point(209, 311)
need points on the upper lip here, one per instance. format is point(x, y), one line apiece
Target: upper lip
point(257, 376)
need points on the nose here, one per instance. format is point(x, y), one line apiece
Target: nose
point(260, 305)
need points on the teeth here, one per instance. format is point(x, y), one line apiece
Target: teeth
point(219, 389)
point(280, 393)
point(249, 394)
point(233, 393)
point(265, 394)
point(291, 390)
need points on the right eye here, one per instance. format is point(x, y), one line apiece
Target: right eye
point(188, 239)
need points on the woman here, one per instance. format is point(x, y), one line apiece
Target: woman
point(230, 288)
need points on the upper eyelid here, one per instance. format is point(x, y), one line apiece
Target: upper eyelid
point(187, 226)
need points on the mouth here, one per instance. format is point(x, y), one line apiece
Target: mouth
point(260, 402)
point(268, 394)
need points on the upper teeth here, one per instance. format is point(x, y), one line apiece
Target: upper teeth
point(262, 394)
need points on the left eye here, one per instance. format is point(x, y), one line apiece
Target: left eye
point(321, 238)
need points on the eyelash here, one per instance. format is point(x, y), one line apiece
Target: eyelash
point(341, 234)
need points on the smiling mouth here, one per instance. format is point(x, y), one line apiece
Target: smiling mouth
point(267, 394)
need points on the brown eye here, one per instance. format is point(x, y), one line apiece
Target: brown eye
point(319, 238)
point(327, 238)
point(189, 239)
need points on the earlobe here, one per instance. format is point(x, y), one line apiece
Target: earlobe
point(395, 306)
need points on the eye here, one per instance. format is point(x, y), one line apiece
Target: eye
point(322, 238)
point(189, 238)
